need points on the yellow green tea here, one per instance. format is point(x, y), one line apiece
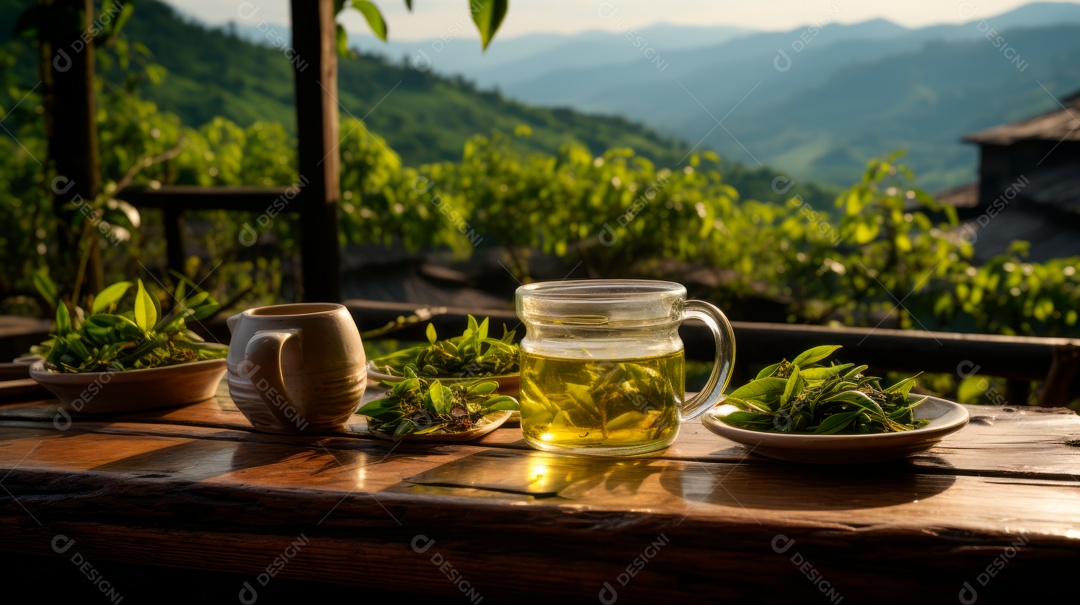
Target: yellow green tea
point(583, 403)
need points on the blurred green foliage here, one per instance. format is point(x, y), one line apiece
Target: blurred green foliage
point(884, 250)
point(619, 212)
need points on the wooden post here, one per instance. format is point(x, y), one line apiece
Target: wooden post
point(315, 66)
point(1017, 392)
point(174, 239)
point(72, 137)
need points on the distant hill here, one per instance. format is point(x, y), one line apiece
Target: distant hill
point(843, 93)
point(922, 101)
point(530, 56)
point(424, 117)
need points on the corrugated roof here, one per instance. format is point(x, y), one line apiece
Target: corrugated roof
point(1057, 125)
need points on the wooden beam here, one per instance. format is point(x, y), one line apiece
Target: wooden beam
point(174, 240)
point(1017, 358)
point(276, 200)
point(315, 68)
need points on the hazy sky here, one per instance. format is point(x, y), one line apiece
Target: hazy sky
point(432, 18)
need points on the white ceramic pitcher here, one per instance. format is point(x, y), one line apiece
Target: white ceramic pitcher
point(296, 368)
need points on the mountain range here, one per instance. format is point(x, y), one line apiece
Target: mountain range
point(814, 102)
point(424, 116)
point(211, 72)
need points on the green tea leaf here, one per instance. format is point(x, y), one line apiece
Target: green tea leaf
point(63, 319)
point(745, 405)
point(45, 286)
point(488, 16)
point(794, 385)
point(903, 387)
point(107, 298)
point(341, 40)
point(195, 300)
point(441, 397)
point(767, 371)
point(762, 388)
point(812, 374)
point(431, 335)
point(836, 423)
point(373, 16)
point(404, 428)
point(860, 399)
point(377, 407)
point(502, 402)
point(749, 420)
point(852, 373)
point(815, 355)
point(145, 309)
point(627, 420)
point(482, 388)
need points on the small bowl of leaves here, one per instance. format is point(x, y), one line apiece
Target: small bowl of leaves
point(107, 360)
point(472, 355)
point(424, 409)
point(804, 411)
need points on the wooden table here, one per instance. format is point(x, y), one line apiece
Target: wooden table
point(991, 514)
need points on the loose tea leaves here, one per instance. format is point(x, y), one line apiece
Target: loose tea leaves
point(471, 355)
point(803, 396)
point(422, 406)
point(138, 338)
point(601, 402)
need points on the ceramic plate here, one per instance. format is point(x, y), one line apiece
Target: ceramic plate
point(132, 390)
point(486, 425)
point(945, 417)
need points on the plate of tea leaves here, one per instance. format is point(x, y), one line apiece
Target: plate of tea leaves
point(421, 409)
point(468, 357)
point(804, 411)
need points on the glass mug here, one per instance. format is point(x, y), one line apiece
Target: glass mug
point(602, 365)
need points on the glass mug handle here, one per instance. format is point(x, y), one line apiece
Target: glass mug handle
point(724, 337)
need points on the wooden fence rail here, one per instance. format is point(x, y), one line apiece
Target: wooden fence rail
point(1020, 360)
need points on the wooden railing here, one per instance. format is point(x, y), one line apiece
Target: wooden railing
point(1020, 360)
point(1053, 363)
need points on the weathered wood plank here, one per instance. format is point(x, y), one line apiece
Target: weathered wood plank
point(999, 441)
point(227, 505)
point(898, 496)
point(736, 565)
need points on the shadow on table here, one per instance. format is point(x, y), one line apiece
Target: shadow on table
point(804, 487)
